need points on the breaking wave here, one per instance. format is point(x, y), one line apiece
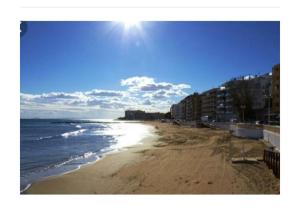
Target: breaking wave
point(73, 133)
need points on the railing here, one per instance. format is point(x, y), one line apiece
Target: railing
point(272, 159)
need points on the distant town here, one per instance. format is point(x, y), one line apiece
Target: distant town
point(252, 98)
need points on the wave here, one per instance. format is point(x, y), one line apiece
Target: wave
point(45, 137)
point(78, 157)
point(25, 188)
point(73, 133)
point(76, 125)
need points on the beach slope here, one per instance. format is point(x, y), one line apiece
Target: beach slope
point(179, 160)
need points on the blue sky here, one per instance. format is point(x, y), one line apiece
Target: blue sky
point(99, 69)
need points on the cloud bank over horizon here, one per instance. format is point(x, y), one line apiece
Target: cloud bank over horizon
point(142, 93)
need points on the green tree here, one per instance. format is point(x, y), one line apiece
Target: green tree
point(168, 115)
point(240, 93)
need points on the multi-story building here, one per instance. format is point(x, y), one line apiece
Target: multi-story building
point(276, 89)
point(175, 111)
point(188, 109)
point(208, 104)
point(182, 109)
point(260, 91)
point(197, 101)
point(225, 110)
point(134, 114)
point(141, 115)
point(154, 116)
point(257, 87)
point(193, 107)
point(256, 93)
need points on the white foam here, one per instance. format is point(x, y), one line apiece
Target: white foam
point(85, 155)
point(88, 154)
point(73, 133)
point(63, 163)
point(124, 135)
point(46, 137)
point(27, 186)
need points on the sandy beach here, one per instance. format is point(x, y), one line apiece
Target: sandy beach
point(178, 160)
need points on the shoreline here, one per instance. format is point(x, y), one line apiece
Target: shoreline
point(177, 160)
point(145, 143)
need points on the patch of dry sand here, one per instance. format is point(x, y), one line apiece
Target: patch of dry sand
point(180, 160)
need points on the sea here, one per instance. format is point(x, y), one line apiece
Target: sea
point(51, 147)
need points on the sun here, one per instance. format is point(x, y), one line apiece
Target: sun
point(130, 23)
point(131, 29)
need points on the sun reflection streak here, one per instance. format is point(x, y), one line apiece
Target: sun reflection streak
point(127, 134)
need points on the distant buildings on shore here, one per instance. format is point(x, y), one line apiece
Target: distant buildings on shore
point(142, 115)
point(247, 98)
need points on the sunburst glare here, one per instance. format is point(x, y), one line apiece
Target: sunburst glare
point(130, 23)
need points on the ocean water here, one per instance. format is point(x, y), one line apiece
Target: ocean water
point(52, 147)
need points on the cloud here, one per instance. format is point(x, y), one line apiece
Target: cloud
point(106, 104)
point(144, 83)
point(105, 93)
point(155, 87)
point(140, 93)
point(154, 90)
point(147, 102)
point(136, 83)
point(59, 95)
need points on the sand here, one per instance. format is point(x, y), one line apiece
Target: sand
point(179, 160)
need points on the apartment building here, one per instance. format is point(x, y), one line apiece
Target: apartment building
point(276, 89)
point(260, 91)
point(225, 110)
point(134, 114)
point(193, 107)
point(175, 111)
point(142, 115)
point(260, 94)
point(182, 109)
point(208, 104)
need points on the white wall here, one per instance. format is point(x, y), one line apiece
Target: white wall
point(272, 137)
point(248, 132)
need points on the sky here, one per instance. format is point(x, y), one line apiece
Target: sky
point(100, 69)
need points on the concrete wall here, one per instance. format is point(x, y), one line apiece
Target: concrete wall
point(270, 134)
point(247, 131)
point(272, 137)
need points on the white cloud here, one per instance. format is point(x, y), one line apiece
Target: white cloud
point(105, 93)
point(136, 83)
point(144, 83)
point(141, 93)
point(154, 90)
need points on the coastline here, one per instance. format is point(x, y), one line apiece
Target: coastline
point(109, 163)
point(178, 160)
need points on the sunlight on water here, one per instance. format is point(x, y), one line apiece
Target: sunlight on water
point(126, 134)
point(54, 147)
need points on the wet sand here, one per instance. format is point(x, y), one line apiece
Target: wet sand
point(179, 160)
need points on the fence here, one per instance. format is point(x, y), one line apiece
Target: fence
point(272, 159)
